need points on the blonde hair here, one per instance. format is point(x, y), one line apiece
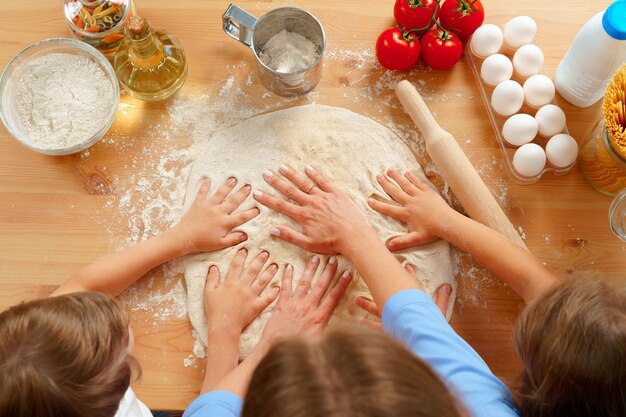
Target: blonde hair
point(348, 372)
point(572, 341)
point(64, 356)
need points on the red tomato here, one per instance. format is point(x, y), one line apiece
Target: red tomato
point(462, 17)
point(416, 14)
point(397, 51)
point(441, 49)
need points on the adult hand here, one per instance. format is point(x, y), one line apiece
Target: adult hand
point(238, 300)
point(305, 310)
point(328, 217)
point(442, 298)
point(421, 208)
point(208, 224)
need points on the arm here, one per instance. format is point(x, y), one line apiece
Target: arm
point(230, 307)
point(206, 227)
point(412, 317)
point(518, 268)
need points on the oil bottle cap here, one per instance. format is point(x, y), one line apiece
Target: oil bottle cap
point(614, 20)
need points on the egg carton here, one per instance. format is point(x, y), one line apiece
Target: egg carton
point(497, 121)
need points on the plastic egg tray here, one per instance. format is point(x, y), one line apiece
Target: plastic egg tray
point(497, 121)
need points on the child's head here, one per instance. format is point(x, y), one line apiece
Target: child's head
point(64, 356)
point(572, 341)
point(355, 372)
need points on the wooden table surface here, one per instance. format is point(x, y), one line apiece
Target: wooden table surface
point(54, 216)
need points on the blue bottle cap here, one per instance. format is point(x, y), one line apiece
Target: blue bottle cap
point(614, 20)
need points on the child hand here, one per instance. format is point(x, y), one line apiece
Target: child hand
point(441, 300)
point(305, 310)
point(328, 217)
point(421, 207)
point(207, 226)
point(238, 300)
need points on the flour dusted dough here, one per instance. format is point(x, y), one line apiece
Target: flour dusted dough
point(347, 148)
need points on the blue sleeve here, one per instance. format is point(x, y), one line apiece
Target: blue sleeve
point(215, 404)
point(412, 317)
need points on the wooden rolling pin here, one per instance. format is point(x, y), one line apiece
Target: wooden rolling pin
point(455, 167)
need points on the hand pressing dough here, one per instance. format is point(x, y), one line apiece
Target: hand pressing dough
point(347, 148)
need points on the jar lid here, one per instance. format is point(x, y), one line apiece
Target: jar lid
point(614, 20)
point(96, 18)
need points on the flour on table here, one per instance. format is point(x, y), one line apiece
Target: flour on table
point(347, 148)
point(288, 52)
point(62, 100)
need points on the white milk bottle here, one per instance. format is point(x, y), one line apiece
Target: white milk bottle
point(598, 50)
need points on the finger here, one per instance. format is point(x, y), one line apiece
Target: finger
point(212, 279)
point(285, 187)
point(279, 205)
point(376, 325)
point(415, 180)
point(405, 241)
point(234, 201)
point(286, 283)
point(237, 219)
point(393, 190)
point(224, 190)
point(204, 189)
point(265, 278)
point(266, 299)
point(303, 183)
point(410, 269)
point(391, 210)
point(233, 239)
point(406, 185)
point(319, 179)
point(442, 298)
point(304, 285)
point(252, 271)
point(367, 305)
point(334, 296)
point(322, 284)
point(291, 236)
point(236, 265)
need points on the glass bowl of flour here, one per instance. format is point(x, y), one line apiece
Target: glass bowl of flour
point(58, 96)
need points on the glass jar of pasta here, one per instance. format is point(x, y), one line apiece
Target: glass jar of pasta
point(603, 162)
point(99, 23)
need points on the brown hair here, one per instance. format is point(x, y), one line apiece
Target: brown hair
point(347, 372)
point(64, 356)
point(572, 341)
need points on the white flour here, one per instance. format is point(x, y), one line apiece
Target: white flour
point(288, 52)
point(62, 100)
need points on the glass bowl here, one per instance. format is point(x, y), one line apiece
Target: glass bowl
point(14, 71)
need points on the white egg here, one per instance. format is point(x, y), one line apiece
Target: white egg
point(487, 40)
point(539, 90)
point(520, 30)
point(529, 160)
point(551, 120)
point(528, 60)
point(520, 129)
point(562, 150)
point(507, 98)
point(495, 69)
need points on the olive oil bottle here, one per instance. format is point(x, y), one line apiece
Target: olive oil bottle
point(150, 64)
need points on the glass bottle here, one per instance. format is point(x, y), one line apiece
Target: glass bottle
point(150, 64)
point(99, 23)
point(603, 163)
point(617, 215)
